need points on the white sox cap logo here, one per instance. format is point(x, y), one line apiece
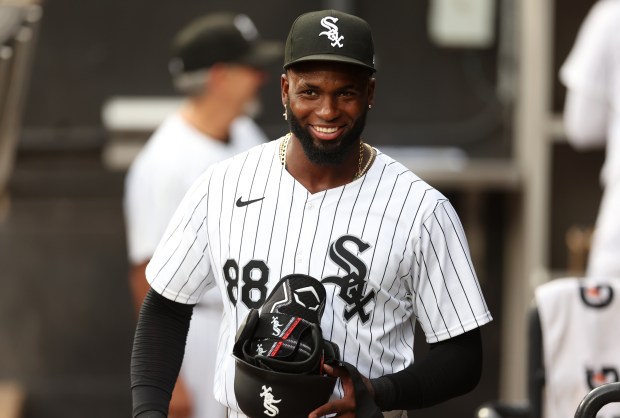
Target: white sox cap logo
point(328, 22)
point(353, 285)
point(269, 401)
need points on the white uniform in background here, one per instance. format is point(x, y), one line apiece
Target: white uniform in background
point(158, 179)
point(388, 247)
point(579, 323)
point(592, 118)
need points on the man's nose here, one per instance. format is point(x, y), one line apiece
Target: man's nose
point(328, 108)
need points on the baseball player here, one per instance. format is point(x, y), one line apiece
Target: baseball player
point(591, 74)
point(319, 201)
point(216, 62)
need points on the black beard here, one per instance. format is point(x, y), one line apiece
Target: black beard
point(326, 156)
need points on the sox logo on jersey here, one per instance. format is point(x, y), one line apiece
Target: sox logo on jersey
point(353, 284)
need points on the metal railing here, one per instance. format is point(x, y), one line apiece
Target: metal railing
point(598, 398)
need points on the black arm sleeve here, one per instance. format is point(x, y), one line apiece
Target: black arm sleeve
point(451, 368)
point(158, 349)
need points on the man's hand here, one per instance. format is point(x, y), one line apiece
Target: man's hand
point(181, 402)
point(344, 407)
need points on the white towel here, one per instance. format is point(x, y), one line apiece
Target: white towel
point(580, 320)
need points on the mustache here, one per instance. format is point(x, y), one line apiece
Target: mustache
point(321, 156)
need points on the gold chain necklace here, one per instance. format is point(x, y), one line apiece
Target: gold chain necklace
point(284, 148)
point(360, 170)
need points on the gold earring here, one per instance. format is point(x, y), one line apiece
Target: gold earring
point(369, 106)
point(285, 114)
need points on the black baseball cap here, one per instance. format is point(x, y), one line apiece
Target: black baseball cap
point(221, 37)
point(330, 35)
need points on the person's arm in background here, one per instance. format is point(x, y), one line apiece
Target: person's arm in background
point(138, 284)
point(586, 75)
point(585, 119)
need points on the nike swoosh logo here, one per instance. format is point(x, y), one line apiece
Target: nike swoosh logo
point(240, 203)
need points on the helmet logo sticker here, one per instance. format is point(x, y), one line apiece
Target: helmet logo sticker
point(269, 401)
point(328, 22)
point(276, 326)
point(312, 295)
point(260, 350)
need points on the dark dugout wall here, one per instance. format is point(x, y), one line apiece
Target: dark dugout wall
point(426, 95)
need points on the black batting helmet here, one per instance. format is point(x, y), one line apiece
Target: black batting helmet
point(279, 352)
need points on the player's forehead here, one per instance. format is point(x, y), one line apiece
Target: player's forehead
point(324, 73)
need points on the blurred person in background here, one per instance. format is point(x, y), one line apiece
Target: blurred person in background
point(591, 74)
point(218, 62)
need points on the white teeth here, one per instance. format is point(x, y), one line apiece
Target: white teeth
point(325, 130)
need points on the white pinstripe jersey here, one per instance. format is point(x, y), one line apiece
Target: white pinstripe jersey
point(388, 247)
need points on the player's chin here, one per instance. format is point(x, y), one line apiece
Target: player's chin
point(331, 153)
point(328, 147)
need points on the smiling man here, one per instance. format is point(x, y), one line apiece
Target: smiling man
point(388, 248)
point(327, 107)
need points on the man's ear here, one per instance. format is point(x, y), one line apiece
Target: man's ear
point(371, 91)
point(284, 85)
point(218, 70)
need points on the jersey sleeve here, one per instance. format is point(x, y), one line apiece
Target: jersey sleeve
point(448, 297)
point(588, 74)
point(588, 68)
point(180, 269)
point(149, 204)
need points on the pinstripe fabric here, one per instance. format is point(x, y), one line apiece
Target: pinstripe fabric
point(388, 247)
